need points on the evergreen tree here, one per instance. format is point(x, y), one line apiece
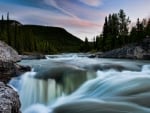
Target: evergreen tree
point(99, 43)
point(2, 18)
point(94, 43)
point(123, 26)
point(133, 35)
point(15, 35)
point(2, 26)
point(140, 30)
point(86, 45)
point(115, 30)
point(110, 32)
point(147, 30)
point(8, 30)
point(105, 34)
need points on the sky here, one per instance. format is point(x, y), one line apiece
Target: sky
point(82, 18)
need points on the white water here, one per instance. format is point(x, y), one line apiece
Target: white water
point(121, 86)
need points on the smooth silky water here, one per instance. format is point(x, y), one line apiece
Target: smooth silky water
point(74, 83)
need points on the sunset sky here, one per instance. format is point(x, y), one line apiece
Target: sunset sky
point(83, 18)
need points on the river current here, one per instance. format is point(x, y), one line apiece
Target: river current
point(74, 83)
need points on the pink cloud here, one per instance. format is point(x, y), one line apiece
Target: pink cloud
point(80, 23)
point(75, 10)
point(73, 24)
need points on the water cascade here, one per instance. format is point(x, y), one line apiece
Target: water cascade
point(73, 84)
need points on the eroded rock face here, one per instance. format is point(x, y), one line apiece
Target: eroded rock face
point(9, 100)
point(7, 53)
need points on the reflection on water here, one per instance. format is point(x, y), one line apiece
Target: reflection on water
point(46, 90)
point(51, 82)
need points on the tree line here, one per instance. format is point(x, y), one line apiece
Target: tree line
point(25, 40)
point(12, 33)
point(117, 32)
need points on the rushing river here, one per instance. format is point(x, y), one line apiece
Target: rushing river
point(74, 83)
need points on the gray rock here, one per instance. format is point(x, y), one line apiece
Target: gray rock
point(7, 53)
point(8, 58)
point(7, 70)
point(9, 100)
point(133, 51)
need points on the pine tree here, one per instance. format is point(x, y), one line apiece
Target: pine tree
point(94, 43)
point(123, 26)
point(8, 30)
point(115, 30)
point(99, 42)
point(148, 29)
point(86, 45)
point(15, 35)
point(2, 25)
point(140, 30)
point(105, 34)
point(133, 35)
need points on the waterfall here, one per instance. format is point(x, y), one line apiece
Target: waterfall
point(110, 92)
point(40, 88)
point(85, 86)
point(38, 91)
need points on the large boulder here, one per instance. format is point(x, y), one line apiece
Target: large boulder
point(9, 100)
point(8, 66)
point(7, 70)
point(7, 53)
point(133, 51)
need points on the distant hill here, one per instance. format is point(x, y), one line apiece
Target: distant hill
point(36, 38)
point(58, 37)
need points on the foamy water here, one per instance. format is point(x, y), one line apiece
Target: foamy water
point(84, 85)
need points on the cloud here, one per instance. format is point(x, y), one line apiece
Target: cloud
point(94, 3)
point(80, 21)
point(31, 15)
point(54, 4)
point(75, 10)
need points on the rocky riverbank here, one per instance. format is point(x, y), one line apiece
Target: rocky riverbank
point(8, 66)
point(9, 99)
point(139, 50)
point(9, 69)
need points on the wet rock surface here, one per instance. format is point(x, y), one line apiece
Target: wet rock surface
point(9, 100)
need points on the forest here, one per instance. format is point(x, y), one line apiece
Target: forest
point(117, 32)
point(28, 39)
